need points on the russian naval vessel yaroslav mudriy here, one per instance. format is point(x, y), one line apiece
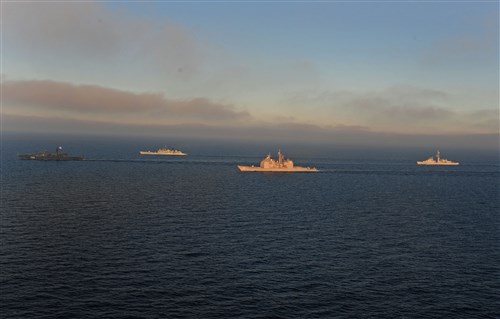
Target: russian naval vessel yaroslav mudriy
point(437, 161)
point(163, 151)
point(281, 165)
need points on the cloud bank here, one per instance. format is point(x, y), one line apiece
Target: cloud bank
point(258, 133)
point(153, 67)
point(49, 106)
point(106, 103)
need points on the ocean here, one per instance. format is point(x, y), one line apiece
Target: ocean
point(372, 235)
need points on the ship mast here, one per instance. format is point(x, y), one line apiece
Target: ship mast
point(280, 158)
point(438, 157)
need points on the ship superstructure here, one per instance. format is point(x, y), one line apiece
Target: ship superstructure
point(281, 165)
point(438, 161)
point(164, 151)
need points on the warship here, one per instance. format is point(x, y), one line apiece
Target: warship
point(163, 151)
point(47, 156)
point(281, 165)
point(438, 161)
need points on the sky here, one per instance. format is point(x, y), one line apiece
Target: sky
point(340, 72)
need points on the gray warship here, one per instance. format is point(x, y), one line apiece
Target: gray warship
point(47, 156)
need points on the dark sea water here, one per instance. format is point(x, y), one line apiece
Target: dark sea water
point(370, 236)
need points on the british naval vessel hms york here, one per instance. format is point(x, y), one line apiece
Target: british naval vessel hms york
point(437, 161)
point(163, 151)
point(281, 165)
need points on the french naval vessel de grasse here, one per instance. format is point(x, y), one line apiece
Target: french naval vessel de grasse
point(437, 161)
point(47, 156)
point(164, 151)
point(281, 165)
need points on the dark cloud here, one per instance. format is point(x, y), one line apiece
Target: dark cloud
point(92, 99)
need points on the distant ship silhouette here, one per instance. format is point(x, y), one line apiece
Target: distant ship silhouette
point(163, 151)
point(47, 156)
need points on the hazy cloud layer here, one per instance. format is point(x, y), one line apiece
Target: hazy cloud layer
point(77, 28)
point(402, 103)
point(400, 108)
point(88, 42)
point(396, 109)
point(83, 31)
point(262, 134)
point(486, 119)
point(106, 102)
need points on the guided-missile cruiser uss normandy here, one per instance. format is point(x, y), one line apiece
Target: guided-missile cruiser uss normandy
point(281, 165)
point(437, 161)
point(47, 156)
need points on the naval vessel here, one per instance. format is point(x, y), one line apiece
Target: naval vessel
point(438, 161)
point(47, 156)
point(163, 151)
point(281, 165)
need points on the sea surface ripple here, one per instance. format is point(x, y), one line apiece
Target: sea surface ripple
point(195, 238)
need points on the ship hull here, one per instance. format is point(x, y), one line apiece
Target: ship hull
point(296, 169)
point(31, 157)
point(162, 154)
point(438, 164)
